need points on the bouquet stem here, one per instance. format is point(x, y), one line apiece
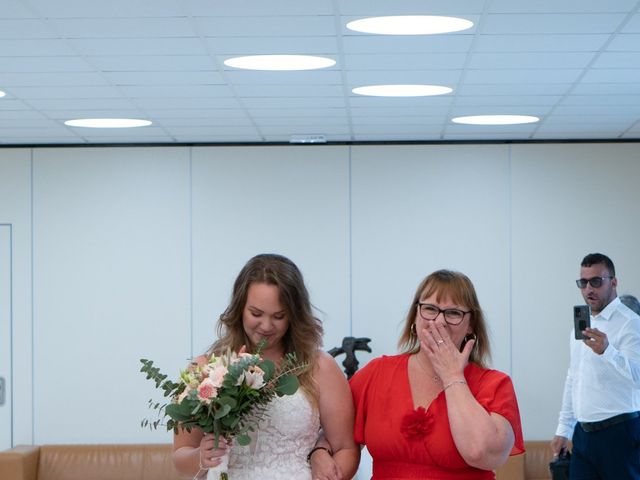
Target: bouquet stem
point(220, 472)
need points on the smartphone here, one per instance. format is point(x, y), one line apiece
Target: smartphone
point(581, 320)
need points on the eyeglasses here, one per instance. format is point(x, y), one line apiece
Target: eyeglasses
point(452, 316)
point(595, 282)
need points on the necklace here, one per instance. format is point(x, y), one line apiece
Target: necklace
point(430, 372)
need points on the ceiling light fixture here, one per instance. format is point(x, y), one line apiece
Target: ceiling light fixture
point(107, 122)
point(2, 94)
point(495, 119)
point(280, 62)
point(410, 25)
point(401, 90)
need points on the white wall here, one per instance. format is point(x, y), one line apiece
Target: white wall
point(135, 249)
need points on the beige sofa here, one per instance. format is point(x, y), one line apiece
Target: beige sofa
point(88, 462)
point(153, 462)
point(532, 465)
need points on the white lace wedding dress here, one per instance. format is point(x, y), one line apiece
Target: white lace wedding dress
point(279, 448)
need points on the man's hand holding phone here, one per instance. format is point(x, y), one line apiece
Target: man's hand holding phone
point(596, 340)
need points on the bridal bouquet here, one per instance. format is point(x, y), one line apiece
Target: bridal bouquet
point(227, 395)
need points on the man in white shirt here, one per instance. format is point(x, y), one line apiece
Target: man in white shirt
point(601, 401)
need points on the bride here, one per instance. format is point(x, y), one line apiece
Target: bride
point(270, 301)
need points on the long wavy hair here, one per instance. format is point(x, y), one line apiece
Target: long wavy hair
point(304, 335)
point(458, 287)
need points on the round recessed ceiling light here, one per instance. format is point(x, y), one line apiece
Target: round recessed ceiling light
point(107, 123)
point(495, 119)
point(401, 90)
point(410, 25)
point(2, 94)
point(280, 62)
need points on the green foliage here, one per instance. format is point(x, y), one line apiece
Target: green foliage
point(238, 405)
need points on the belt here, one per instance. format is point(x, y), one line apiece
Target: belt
point(609, 422)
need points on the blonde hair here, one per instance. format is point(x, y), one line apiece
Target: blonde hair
point(458, 287)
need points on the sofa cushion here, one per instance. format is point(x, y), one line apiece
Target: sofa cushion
point(106, 462)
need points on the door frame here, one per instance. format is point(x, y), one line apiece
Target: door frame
point(6, 336)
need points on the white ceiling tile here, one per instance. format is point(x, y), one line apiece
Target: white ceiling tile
point(307, 112)
point(633, 26)
point(540, 43)
point(371, 8)
point(259, 7)
point(530, 75)
point(267, 26)
point(64, 92)
point(63, 115)
point(163, 91)
point(235, 121)
point(294, 102)
point(616, 59)
point(12, 28)
point(191, 102)
point(529, 60)
point(611, 100)
point(551, 23)
point(66, 102)
point(561, 6)
point(628, 42)
point(212, 138)
point(112, 8)
point(628, 111)
point(315, 122)
point(43, 64)
point(403, 61)
point(52, 79)
point(17, 9)
point(138, 46)
point(386, 44)
point(588, 89)
point(619, 75)
point(153, 27)
point(150, 78)
point(294, 129)
point(221, 114)
point(448, 78)
point(152, 63)
point(524, 89)
point(311, 77)
point(227, 47)
point(507, 100)
point(440, 101)
point(214, 130)
point(35, 47)
point(289, 90)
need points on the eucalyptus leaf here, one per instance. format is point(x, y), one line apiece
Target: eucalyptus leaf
point(287, 385)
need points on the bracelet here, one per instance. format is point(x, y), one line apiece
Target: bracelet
point(314, 449)
point(461, 382)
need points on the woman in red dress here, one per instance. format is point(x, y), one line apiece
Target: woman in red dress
point(435, 411)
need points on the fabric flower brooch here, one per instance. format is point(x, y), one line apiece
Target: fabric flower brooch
point(416, 424)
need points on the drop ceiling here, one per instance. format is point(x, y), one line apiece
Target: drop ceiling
point(573, 63)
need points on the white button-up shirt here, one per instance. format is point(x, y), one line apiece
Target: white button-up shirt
point(602, 386)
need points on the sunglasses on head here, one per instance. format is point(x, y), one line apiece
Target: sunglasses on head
point(595, 282)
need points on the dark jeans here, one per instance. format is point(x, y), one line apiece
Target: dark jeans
point(612, 453)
